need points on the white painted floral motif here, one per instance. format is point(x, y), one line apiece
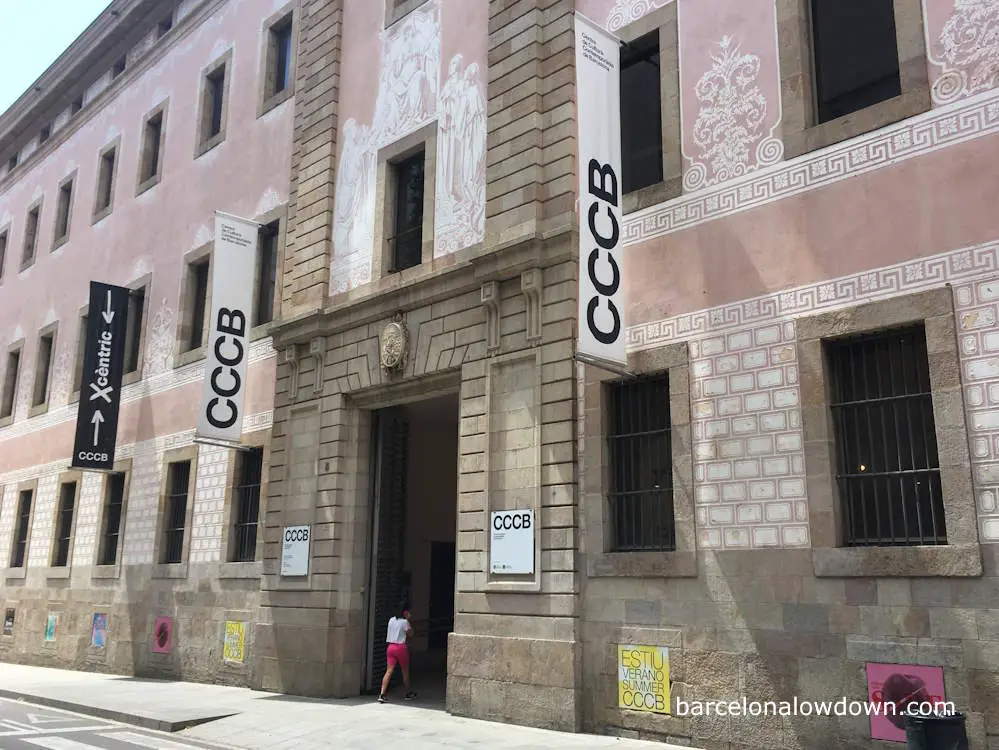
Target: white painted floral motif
point(159, 352)
point(62, 375)
point(730, 122)
point(354, 210)
point(461, 161)
point(970, 45)
point(626, 11)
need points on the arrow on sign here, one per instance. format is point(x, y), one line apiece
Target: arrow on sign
point(108, 313)
point(96, 421)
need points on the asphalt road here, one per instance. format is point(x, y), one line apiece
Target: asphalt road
point(24, 726)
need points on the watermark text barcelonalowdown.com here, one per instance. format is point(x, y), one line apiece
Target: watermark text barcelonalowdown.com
point(841, 707)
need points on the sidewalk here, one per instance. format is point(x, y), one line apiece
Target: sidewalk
point(250, 720)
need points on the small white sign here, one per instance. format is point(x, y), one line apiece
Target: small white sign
point(511, 542)
point(295, 551)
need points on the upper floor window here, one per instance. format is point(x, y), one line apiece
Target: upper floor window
point(76, 106)
point(212, 112)
point(887, 468)
point(133, 330)
point(107, 171)
point(640, 465)
point(12, 161)
point(279, 56)
point(64, 212)
point(856, 55)
point(164, 26)
point(31, 235)
point(4, 234)
point(43, 368)
point(407, 235)
point(267, 264)
point(44, 133)
point(641, 114)
point(197, 302)
point(151, 158)
point(119, 67)
point(10, 382)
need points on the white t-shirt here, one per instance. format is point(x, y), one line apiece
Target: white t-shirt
point(397, 628)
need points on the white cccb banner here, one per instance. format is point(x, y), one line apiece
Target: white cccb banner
point(601, 325)
point(233, 269)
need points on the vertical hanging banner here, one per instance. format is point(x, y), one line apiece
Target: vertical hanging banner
point(100, 388)
point(601, 326)
point(234, 262)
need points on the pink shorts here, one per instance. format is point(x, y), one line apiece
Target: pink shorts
point(397, 652)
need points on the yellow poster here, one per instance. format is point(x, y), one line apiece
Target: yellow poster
point(643, 678)
point(235, 642)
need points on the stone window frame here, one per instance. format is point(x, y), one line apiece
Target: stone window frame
point(265, 101)
point(59, 241)
point(426, 139)
point(961, 556)
point(802, 133)
point(81, 337)
point(145, 283)
point(184, 319)
point(664, 19)
point(64, 571)
point(19, 574)
point(27, 261)
point(203, 144)
point(280, 215)
point(41, 408)
point(142, 185)
point(18, 347)
point(175, 570)
point(4, 248)
point(101, 213)
point(98, 571)
point(396, 10)
point(673, 359)
point(249, 569)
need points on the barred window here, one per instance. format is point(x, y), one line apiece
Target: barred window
point(176, 511)
point(114, 500)
point(640, 464)
point(64, 524)
point(888, 469)
point(246, 504)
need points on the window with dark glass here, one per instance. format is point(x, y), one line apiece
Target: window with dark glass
point(64, 207)
point(31, 234)
point(3, 250)
point(76, 106)
point(12, 162)
point(22, 523)
point(641, 114)
point(10, 383)
point(164, 26)
point(44, 134)
point(887, 466)
point(640, 464)
point(64, 524)
point(246, 504)
point(280, 56)
point(105, 180)
point(214, 103)
point(119, 67)
point(40, 393)
point(152, 138)
point(133, 329)
point(407, 239)
point(199, 299)
point(178, 478)
point(267, 261)
point(114, 500)
point(856, 55)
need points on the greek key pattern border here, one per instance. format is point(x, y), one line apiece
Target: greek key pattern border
point(260, 350)
point(945, 126)
point(882, 283)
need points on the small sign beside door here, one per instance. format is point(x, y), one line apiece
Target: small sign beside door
point(511, 542)
point(295, 551)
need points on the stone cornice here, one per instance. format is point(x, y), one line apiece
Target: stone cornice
point(468, 271)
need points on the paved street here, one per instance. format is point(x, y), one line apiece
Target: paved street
point(25, 726)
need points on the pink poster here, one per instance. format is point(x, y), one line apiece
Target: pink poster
point(893, 688)
point(163, 635)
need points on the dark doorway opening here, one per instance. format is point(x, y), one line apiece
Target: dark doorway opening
point(413, 540)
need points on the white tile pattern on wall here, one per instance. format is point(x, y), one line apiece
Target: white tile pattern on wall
point(746, 419)
point(43, 521)
point(88, 519)
point(209, 504)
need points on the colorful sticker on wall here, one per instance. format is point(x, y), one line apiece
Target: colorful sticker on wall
point(162, 635)
point(50, 628)
point(8, 622)
point(643, 678)
point(894, 688)
point(99, 632)
point(235, 642)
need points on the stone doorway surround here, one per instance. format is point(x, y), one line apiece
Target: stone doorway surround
point(499, 329)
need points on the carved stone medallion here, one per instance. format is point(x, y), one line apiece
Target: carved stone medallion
point(394, 341)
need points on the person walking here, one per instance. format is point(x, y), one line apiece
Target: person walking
point(397, 652)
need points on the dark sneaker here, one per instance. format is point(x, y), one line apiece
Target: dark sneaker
point(410, 695)
point(382, 699)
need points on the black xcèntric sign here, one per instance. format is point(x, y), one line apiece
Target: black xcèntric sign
point(103, 366)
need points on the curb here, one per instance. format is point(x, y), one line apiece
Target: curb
point(144, 722)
